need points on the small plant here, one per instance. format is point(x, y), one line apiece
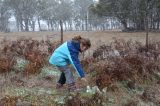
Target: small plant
point(6, 63)
point(8, 101)
point(20, 64)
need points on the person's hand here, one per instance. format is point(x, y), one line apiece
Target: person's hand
point(84, 82)
point(84, 79)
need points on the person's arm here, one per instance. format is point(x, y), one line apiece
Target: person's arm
point(76, 64)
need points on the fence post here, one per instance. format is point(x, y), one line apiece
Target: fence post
point(61, 25)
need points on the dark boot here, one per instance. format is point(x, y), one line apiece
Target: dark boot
point(61, 81)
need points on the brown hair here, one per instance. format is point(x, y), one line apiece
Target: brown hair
point(85, 41)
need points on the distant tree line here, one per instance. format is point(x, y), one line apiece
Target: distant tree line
point(136, 14)
point(27, 12)
point(80, 14)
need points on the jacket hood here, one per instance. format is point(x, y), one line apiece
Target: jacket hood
point(76, 45)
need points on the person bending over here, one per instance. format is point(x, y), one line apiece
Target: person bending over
point(67, 54)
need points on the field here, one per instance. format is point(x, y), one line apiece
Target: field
point(103, 36)
point(120, 70)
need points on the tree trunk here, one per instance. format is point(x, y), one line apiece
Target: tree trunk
point(39, 24)
point(57, 26)
point(51, 23)
point(154, 26)
point(33, 25)
point(65, 23)
point(142, 25)
point(158, 24)
point(21, 25)
point(158, 21)
point(70, 25)
point(17, 23)
point(48, 24)
point(124, 23)
point(26, 25)
point(21, 22)
point(151, 22)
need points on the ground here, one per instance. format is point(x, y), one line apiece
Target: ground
point(40, 89)
point(95, 36)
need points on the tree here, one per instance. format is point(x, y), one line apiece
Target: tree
point(114, 8)
point(24, 12)
point(81, 10)
point(4, 15)
point(130, 11)
point(157, 14)
point(65, 12)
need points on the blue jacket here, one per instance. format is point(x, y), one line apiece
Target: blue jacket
point(66, 54)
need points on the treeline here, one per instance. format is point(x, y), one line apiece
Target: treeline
point(28, 12)
point(80, 14)
point(133, 14)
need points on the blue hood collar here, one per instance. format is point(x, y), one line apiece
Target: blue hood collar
point(76, 45)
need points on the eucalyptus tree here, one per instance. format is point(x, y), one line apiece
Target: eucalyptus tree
point(24, 12)
point(4, 15)
point(114, 8)
point(81, 10)
point(136, 12)
point(65, 13)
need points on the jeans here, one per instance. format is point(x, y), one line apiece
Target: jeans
point(66, 76)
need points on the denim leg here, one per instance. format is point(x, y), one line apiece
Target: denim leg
point(68, 74)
